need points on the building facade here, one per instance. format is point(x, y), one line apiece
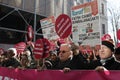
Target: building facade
point(46, 8)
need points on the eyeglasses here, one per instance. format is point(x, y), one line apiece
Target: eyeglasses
point(63, 51)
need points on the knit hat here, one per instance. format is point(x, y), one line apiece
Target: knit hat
point(108, 44)
point(53, 53)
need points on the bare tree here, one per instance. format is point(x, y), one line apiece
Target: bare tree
point(114, 19)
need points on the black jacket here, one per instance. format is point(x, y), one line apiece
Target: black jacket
point(78, 62)
point(11, 62)
point(110, 64)
point(61, 65)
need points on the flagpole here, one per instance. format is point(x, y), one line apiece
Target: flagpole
point(34, 21)
point(63, 6)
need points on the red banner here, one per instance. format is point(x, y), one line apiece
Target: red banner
point(32, 74)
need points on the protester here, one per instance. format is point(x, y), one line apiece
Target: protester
point(117, 54)
point(3, 58)
point(78, 61)
point(24, 61)
point(65, 56)
point(30, 47)
point(70, 58)
point(106, 60)
point(11, 60)
point(52, 60)
point(28, 53)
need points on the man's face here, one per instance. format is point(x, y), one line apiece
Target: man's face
point(53, 56)
point(105, 52)
point(65, 52)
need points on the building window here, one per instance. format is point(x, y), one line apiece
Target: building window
point(102, 8)
point(103, 28)
point(89, 0)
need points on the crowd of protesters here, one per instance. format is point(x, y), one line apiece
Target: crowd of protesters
point(65, 57)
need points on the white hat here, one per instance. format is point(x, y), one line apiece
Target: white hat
point(14, 51)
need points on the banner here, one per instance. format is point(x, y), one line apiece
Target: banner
point(32, 74)
point(85, 19)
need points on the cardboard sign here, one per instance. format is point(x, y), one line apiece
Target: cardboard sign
point(63, 26)
point(48, 28)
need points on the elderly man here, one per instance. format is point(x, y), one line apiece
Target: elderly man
point(65, 56)
point(70, 58)
point(107, 60)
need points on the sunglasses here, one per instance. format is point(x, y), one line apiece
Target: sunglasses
point(63, 51)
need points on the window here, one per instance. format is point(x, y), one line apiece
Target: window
point(89, 0)
point(103, 28)
point(103, 9)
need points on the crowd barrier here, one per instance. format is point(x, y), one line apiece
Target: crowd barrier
point(33, 74)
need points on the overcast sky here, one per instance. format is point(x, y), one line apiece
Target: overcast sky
point(114, 1)
point(116, 5)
